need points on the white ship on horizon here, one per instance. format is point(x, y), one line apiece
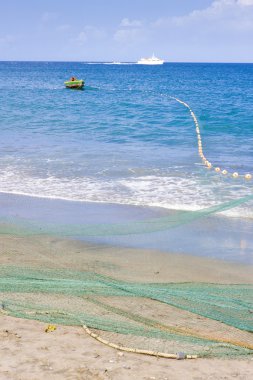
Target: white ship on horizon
point(150, 61)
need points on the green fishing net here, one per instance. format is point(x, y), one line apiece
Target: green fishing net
point(119, 294)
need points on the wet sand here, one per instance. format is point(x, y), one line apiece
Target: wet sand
point(122, 263)
point(158, 229)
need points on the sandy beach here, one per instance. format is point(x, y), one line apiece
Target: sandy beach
point(126, 190)
point(28, 352)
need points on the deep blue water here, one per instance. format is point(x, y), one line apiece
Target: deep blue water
point(123, 139)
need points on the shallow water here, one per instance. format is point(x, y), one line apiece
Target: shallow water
point(123, 140)
point(214, 236)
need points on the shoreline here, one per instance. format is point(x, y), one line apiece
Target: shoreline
point(214, 236)
point(153, 206)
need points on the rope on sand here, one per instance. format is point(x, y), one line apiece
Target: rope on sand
point(178, 356)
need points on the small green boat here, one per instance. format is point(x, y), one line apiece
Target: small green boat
point(75, 83)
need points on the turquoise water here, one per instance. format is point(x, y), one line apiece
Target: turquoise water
point(123, 139)
point(126, 145)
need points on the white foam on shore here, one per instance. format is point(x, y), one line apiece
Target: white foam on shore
point(170, 192)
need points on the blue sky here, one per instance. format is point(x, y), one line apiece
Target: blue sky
point(125, 30)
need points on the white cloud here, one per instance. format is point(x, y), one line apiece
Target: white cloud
point(63, 28)
point(127, 35)
point(93, 32)
point(49, 17)
point(223, 31)
point(125, 22)
point(89, 33)
point(81, 38)
point(130, 32)
point(245, 2)
point(216, 10)
point(221, 14)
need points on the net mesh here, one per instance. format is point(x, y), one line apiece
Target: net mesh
point(121, 294)
point(24, 227)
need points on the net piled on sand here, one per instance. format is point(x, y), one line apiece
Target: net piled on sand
point(122, 297)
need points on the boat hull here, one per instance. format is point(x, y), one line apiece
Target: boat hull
point(75, 84)
point(150, 63)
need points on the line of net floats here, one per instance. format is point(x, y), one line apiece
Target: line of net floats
point(207, 163)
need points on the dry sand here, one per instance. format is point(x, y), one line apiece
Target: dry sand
point(27, 352)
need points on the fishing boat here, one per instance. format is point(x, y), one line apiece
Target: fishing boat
point(74, 83)
point(150, 61)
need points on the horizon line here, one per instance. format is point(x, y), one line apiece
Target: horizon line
point(108, 61)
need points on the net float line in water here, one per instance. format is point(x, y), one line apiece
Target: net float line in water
point(207, 163)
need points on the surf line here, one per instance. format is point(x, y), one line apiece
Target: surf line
point(206, 162)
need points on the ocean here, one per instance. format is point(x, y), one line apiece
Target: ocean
point(124, 140)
